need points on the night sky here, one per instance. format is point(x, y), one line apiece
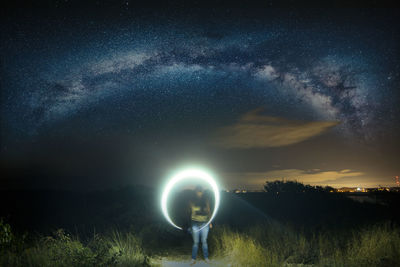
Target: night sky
point(103, 95)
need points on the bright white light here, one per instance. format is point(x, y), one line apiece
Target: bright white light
point(185, 175)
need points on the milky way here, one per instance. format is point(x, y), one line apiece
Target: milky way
point(311, 74)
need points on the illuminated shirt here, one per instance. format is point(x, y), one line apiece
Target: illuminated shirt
point(199, 214)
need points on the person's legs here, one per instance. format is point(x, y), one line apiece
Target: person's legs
point(204, 234)
point(196, 237)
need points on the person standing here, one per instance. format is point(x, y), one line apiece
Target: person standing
point(200, 214)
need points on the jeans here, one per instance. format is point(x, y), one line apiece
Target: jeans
point(196, 234)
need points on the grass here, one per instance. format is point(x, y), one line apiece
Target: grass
point(264, 245)
point(276, 245)
point(374, 246)
point(127, 247)
point(62, 249)
point(241, 249)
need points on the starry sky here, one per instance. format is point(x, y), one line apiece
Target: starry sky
point(96, 96)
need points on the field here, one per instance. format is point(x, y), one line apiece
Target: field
point(125, 228)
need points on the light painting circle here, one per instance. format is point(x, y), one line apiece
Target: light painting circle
point(189, 174)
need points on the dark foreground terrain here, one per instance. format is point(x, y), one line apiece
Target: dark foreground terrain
point(125, 227)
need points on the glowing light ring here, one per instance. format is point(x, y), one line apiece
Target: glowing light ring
point(189, 174)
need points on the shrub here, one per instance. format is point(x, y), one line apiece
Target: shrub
point(6, 236)
point(60, 249)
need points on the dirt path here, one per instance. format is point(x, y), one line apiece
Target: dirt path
point(165, 262)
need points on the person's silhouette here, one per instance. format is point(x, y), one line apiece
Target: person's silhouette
point(200, 212)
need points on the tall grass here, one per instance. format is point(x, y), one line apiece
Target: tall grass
point(265, 245)
point(62, 249)
point(127, 247)
point(242, 250)
point(374, 246)
point(277, 245)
